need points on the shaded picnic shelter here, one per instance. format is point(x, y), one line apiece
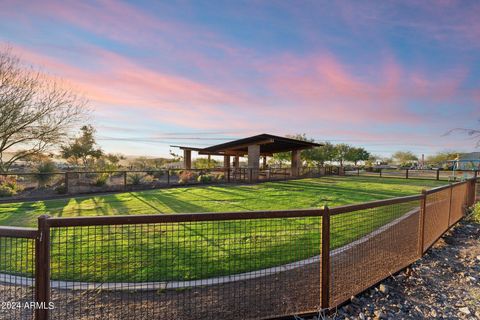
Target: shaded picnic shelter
point(255, 147)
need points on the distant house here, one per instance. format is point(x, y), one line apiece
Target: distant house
point(466, 161)
point(470, 156)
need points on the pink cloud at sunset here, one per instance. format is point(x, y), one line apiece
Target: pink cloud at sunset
point(406, 72)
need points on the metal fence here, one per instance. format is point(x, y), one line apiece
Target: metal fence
point(17, 272)
point(31, 186)
point(238, 265)
point(430, 174)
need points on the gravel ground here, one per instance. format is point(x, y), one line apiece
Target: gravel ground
point(444, 284)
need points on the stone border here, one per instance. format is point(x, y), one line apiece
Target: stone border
point(163, 285)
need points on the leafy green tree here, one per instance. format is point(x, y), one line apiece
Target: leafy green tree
point(440, 159)
point(140, 163)
point(204, 163)
point(109, 162)
point(144, 163)
point(319, 155)
point(404, 158)
point(342, 153)
point(285, 157)
point(372, 159)
point(114, 158)
point(310, 156)
point(357, 154)
point(83, 148)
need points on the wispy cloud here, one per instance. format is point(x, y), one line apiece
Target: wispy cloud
point(398, 68)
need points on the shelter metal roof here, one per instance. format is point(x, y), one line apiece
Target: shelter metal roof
point(269, 144)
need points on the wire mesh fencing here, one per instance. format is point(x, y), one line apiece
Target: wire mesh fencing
point(437, 210)
point(370, 244)
point(32, 186)
point(240, 265)
point(458, 204)
point(216, 269)
point(29, 185)
point(17, 273)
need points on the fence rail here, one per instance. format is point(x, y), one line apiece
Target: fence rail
point(31, 186)
point(430, 174)
point(232, 265)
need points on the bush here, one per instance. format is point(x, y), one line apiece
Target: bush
point(148, 179)
point(476, 212)
point(186, 176)
point(219, 177)
point(102, 179)
point(9, 186)
point(45, 172)
point(10, 182)
point(159, 174)
point(205, 178)
point(5, 191)
point(61, 189)
point(135, 178)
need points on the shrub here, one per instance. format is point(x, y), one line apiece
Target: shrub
point(148, 178)
point(219, 177)
point(205, 178)
point(476, 212)
point(61, 189)
point(9, 186)
point(135, 178)
point(159, 174)
point(44, 173)
point(5, 191)
point(102, 179)
point(9, 182)
point(186, 176)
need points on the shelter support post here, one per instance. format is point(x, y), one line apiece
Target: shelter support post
point(187, 159)
point(253, 162)
point(296, 163)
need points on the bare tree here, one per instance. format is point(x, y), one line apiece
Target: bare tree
point(36, 112)
point(474, 133)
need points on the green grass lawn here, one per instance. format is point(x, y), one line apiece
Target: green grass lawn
point(186, 251)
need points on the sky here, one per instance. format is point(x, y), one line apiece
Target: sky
point(384, 75)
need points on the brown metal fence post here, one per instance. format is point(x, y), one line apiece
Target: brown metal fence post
point(474, 183)
point(472, 192)
point(358, 171)
point(423, 208)
point(42, 268)
point(325, 254)
point(380, 172)
point(438, 174)
point(470, 188)
point(168, 176)
point(125, 180)
point(450, 206)
point(406, 174)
